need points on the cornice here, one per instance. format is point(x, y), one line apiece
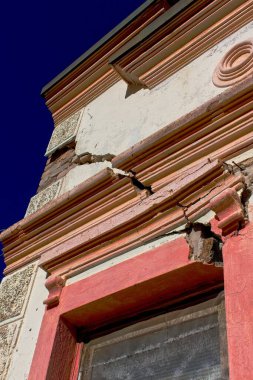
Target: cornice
point(180, 41)
point(164, 211)
point(93, 76)
point(209, 132)
point(148, 50)
point(105, 215)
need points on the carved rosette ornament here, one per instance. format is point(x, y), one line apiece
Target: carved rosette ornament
point(235, 66)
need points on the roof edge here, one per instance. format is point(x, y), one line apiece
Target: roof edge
point(97, 45)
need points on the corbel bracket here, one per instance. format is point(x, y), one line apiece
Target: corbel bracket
point(229, 211)
point(54, 285)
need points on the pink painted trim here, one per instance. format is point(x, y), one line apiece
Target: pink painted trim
point(161, 276)
point(77, 361)
point(229, 211)
point(54, 284)
point(238, 277)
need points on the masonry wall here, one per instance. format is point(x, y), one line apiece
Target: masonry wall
point(82, 146)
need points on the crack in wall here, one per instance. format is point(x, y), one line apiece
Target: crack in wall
point(138, 185)
point(185, 208)
point(89, 158)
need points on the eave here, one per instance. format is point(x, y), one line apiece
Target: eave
point(148, 8)
point(90, 75)
point(146, 53)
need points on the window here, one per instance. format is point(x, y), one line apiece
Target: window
point(183, 345)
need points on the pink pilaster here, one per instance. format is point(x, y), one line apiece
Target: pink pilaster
point(238, 279)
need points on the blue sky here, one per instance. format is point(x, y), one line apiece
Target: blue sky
point(38, 40)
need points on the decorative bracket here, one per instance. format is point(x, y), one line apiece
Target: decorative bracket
point(229, 211)
point(54, 285)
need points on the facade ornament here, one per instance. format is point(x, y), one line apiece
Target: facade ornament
point(229, 211)
point(235, 66)
point(43, 197)
point(54, 285)
point(64, 133)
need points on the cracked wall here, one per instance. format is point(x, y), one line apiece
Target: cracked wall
point(85, 143)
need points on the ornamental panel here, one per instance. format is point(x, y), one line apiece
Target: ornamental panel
point(235, 66)
point(64, 133)
point(13, 293)
point(8, 335)
point(43, 197)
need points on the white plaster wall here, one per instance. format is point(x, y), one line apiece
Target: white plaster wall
point(80, 173)
point(113, 123)
point(24, 350)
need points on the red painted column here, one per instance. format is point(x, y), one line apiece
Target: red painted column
point(238, 279)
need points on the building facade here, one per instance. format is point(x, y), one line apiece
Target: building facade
point(135, 258)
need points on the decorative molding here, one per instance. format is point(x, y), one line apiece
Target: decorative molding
point(8, 337)
point(180, 156)
point(43, 197)
point(180, 41)
point(13, 293)
point(157, 278)
point(54, 285)
point(235, 66)
point(64, 133)
point(208, 132)
point(93, 75)
point(149, 62)
point(229, 211)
